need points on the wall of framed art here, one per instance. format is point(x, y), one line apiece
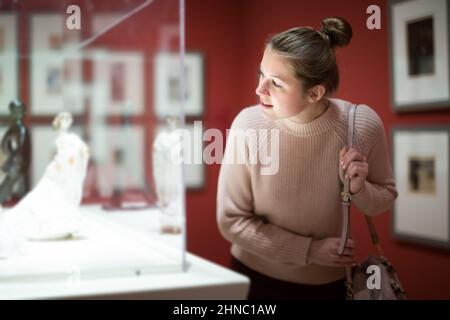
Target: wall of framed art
point(420, 54)
point(102, 74)
point(167, 94)
point(420, 77)
point(56, 66)
point(110, 78)
point(421, 156)
point(101, 84)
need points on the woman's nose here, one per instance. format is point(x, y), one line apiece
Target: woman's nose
point(261, 89)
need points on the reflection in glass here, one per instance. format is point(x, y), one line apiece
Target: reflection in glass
point(103, 75)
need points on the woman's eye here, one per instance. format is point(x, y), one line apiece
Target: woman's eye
point(276, 84)
point(261, 75)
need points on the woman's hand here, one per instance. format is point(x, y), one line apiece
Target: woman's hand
point(325, 252)
point(353, 164)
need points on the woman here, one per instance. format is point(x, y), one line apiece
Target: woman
point(284, 227)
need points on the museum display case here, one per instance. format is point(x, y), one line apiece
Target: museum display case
point(92, 100)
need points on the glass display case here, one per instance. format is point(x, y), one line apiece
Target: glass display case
point(92, 100)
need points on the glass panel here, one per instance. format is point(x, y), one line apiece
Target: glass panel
point(92, 174)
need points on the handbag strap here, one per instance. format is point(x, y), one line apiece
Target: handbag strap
point(345, 194)
point(346, 203)
point(346, 198)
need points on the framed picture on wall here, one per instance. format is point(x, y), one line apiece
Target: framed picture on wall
point(119, 155)
point(118, 82)
point(56, 66)
point(9, 57)
point(421, 168)
point(167, 84)
point(420, 61)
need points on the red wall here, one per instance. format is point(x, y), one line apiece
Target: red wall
point(213, 28)
point(231, 35)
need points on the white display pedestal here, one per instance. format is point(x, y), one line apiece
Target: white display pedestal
point(201, 280)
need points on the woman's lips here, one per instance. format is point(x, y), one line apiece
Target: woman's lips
point(265, 105)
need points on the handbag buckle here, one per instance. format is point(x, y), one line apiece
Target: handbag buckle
point(346, 196)
point(349, 286)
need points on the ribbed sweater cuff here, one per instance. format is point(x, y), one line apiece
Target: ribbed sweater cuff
point(302, 250)
point(363, 198)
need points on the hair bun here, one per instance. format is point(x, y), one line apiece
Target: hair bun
point(338, 30)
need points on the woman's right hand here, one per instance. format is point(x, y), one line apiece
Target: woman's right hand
point(325, 252)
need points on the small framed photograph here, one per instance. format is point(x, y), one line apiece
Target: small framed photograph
point(118, 82)
point(167, 94)
point(118, 152)
point(54, 80)
point(420, 62)
point(9, 57)
point(421, 168)
point(56, 67)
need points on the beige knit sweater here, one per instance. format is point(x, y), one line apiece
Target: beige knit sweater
point(270, 219)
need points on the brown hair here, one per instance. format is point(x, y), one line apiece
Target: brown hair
point(311, 52)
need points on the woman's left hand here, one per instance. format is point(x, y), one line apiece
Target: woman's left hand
point(353, 164)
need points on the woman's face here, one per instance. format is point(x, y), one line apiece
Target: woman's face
point(281, 94)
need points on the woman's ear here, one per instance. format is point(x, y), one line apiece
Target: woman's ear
point(316, 93)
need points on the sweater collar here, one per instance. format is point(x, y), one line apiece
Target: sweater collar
point(317, 126)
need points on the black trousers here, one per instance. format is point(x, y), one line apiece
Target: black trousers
point(263, 287)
